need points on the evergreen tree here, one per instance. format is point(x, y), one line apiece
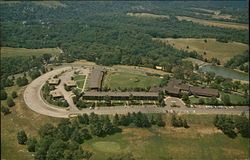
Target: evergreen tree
point(22, 137)
point(3, 95)
point(31, 144)
point(14, 94)
point(10, 102)
point(5, 110)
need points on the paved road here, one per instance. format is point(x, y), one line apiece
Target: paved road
point(34, 101)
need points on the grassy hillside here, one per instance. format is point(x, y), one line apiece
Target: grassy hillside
point(12, 52)
point(21, 117)
point(154, 143)
point(213, 48)
point(114, 80)
point(162, 143)
point(214, 23)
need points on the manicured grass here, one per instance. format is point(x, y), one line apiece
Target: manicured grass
point(201, 141)
point(21, 117)
point(213, 48)
point(214, 23)
point(12, 52)
point(79, 80)
point(103, 146)
point(79, 77)
point(115, 80)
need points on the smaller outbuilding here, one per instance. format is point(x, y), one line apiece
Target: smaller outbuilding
point(54, 81)
point(70, 83)
point(56, 94)
point(158, 67)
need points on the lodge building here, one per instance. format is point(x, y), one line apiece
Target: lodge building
point(175, 87)
point(120, 95)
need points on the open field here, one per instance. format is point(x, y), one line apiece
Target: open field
point(115, 80)
point(150, 15)
point(195, 61)
point(162, 143)
point(50, 4)
point(12, 52)
point(155, 71)
point(214, 23)
point(84, 62)
point(213, 48)
point(21, 117)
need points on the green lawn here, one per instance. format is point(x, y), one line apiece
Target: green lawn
point(115, 80)
point(235, 99)
point(201, 141)
point(12, 52)
point(79, 80)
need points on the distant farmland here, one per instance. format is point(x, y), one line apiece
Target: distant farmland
point(212, 48)
point(214, 23)
point(11, 52)
point(148, 15)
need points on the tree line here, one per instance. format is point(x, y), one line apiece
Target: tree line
point(63, 141)
point(233, 125)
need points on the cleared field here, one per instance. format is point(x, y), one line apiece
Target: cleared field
point(214, 23)
point(21, 117)
point(164, 143)
point(151, 70)
point(213, 48)
point(195, 61)
point(50, 4)
point(115, 80)
point(148, 15)
point(84, 62)
point(12, 52)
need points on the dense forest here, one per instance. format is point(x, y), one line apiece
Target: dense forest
point(102, 32)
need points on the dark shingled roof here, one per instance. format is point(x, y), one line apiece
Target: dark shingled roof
point(120, 94)
point(204, 91)
point(95, 78)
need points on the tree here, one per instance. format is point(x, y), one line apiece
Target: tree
point(14, 94)
point(185, 125)
point(5, 110)
point(77, 136)
point(201, 101)
point(31, 144)
point(10, 102)
point(226, 99)
point(21, 137)
point(22, 81)
point(3, 95)
point(84, 119)
point(159, 121)
point(47, 130)
point(56, 150)
point(116, 120)
point(107, 127)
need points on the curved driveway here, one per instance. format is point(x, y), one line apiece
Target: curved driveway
point(34, 101)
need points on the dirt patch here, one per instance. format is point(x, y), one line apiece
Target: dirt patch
point(211, 130)
point(236, 152)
